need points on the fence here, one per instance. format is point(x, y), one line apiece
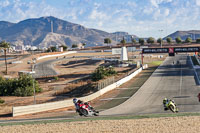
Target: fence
point(105, 82)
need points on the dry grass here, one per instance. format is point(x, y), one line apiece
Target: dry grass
point(5, 109)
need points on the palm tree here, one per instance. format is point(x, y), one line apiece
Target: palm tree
point(5, 45)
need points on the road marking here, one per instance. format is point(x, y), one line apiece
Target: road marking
point(115, 98)
point(70, 111)
point(128, 88)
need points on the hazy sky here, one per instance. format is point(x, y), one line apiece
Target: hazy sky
point(143, 18)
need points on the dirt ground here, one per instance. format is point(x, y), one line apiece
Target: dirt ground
point(190, 124)
point(49, 88)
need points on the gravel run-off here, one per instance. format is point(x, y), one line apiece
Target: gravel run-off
point(184, 124)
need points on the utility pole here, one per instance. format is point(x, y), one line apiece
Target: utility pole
point(161, 37)
point(33, 65)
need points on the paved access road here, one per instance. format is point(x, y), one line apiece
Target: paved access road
point(174, 79)
point(45, 68)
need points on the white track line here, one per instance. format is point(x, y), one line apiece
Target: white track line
point(127, 88)
point(114, 98)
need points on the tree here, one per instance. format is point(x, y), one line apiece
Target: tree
point(188, 40)
point(141, 41)
point(160, 40)
point(84, 44)
point(150, 40)
point(5, 45)
point(178, 40)
point(198, 40)
point(134, 40)
point(169, 40)
point(107, 41)
point(53, 49)
point(123, 41)
point(64, 47)
point(74, 46)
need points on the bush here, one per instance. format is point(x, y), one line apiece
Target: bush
point(23, 86)
point(1, 101)
point(102, 72)
point(56, 78)
point(198, 40)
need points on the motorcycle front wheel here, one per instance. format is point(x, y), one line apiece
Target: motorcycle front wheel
point(172, 108)
point(84, 112)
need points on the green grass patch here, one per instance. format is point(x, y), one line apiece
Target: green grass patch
point(155, 63)
point(123, 117)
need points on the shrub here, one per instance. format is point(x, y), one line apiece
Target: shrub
point(56, 78)
point(1, 101)
point(198, 40)
point(23, 86)
point(102, 72)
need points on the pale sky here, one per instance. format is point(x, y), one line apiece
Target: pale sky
point(144, 18)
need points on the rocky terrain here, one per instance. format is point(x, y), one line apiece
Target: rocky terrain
point(47, 31)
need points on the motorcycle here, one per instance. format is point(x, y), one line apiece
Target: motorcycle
point(86, 109)
point(172, 106)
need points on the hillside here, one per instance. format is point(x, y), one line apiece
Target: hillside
point(38, 32)
point(194, 34)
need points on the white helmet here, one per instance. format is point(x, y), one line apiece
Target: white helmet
point(75, 100)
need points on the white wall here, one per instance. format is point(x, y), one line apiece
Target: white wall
point(22, 110)
point(47, 56)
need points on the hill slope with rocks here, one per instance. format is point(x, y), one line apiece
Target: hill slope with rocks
point(49, 31)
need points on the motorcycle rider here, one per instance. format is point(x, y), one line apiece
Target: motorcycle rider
point(78, 104)
point(166, 101)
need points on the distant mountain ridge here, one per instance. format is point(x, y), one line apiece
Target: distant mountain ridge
point(194, 34)
point(38, 32)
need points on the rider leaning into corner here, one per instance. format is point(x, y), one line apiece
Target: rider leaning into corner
point(166, 101)
point(77, 104)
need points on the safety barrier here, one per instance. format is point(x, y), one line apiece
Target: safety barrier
point(47, 56)
point(195, 72)
point(23, 110)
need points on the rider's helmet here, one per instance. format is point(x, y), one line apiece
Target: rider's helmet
point(164, 100)
point(75, 100)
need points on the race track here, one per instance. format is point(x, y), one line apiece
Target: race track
point(174, 79)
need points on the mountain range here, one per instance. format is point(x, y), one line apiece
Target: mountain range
point(51, 31)
point(194, 34)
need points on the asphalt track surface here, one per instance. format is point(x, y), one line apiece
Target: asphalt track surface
point(173, 79)
point(45, 69)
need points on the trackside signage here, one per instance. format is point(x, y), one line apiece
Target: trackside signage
point(170, 50)
point(186, 49)
point(155, 50)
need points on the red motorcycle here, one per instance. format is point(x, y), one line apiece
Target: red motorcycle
point(86, 109)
